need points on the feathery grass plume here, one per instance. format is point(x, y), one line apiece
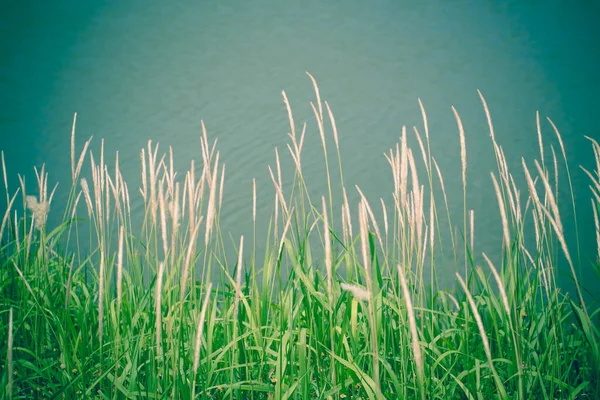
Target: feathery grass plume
point(162, 209)
point(502, 212)
point(154, 172)
point(157, 309)
point(412, 324)
point(200, 328)
point(144, 188)
point(346, 206)
point(403, 167)
point(175, 220)
point(120, 271)
point(188, 258)
point(9, 355)
point(385, 219)
point(335, 139)
point(290, 115)
point(549, 195)
point(238, 279)
point(39, 211)
point(278, 192)
point(417, 197)
point(539, 133)
point(555, 163)
point(316, 88)
point(4, 176)
point(422, 148)
point(394, 161)
point(564, 154)
point(359, 293)
point(484, 338)
point(463, 147)
point(278, 165)
point(221, 186)
point(211, 210)
point(371, 216)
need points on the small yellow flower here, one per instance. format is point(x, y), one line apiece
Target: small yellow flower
point(273, 380)
point(343, 396)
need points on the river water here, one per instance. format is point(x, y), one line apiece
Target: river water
point(139, 70)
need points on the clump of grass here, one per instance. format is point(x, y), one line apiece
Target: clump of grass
point(93, 308)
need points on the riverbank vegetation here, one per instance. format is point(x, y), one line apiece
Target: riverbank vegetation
point(344, 304)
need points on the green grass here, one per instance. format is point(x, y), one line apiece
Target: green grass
point(357, 312)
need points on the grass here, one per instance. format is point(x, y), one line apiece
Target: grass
point(356, 312)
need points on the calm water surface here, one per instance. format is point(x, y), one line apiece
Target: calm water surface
point(140, 70)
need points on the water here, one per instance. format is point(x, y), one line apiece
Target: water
point(137, 70)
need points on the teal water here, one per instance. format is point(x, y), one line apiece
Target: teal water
point(142, 70)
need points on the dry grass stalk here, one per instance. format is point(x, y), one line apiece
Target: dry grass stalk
point(505, 229)
point(333, 128)
point(101, 297)
point(200, 328)
point(221, 186)
point(432, 217)
point(484, 338)
point(328, 257)
point(158, 309)
point(503, 295)
point(364, 240)
point(120, 270)
point(191, 248)
point(254, 200)
point(472, 229)
point(385, 219)
point(9, 355)
point(285, 229)
point(7, 213)
point(412, 324)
